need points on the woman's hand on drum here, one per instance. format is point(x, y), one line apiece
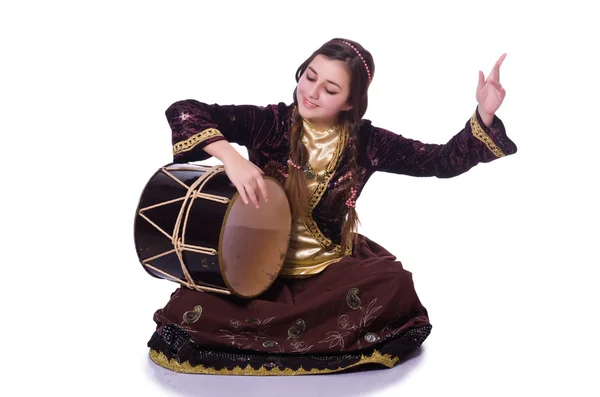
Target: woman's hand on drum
point(247, 178)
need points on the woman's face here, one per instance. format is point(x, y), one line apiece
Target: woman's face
point(323, 91)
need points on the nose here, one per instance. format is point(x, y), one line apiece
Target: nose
point(313, 91)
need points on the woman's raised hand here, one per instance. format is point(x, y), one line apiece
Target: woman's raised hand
point(490, 93)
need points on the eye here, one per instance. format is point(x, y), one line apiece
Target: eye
point(326, 90)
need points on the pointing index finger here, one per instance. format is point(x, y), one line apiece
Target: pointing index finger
point(496, 70)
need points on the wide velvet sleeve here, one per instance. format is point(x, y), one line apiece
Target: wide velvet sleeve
point(476, 143)
point(195, 125)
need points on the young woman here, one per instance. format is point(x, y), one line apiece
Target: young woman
point(342, 301)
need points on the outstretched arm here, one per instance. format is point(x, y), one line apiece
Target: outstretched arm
point(475, 143)
point(482, 140)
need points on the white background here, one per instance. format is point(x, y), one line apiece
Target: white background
point(503, 256)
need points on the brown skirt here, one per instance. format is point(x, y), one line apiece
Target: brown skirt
point(360, 312)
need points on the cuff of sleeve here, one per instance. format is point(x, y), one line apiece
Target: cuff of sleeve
point(494, 137)
point(199, 140)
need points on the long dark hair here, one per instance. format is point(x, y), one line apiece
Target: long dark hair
point(296, 184)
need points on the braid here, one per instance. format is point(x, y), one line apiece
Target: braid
point(297, 185)
point(350, 226)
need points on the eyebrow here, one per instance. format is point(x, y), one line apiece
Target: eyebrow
point(329, 81)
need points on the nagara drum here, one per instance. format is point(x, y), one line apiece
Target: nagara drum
point(192, 227)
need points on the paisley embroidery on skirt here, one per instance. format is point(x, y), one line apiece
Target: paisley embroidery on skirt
point(296, 331)
point(191, 316)
point(352, 299)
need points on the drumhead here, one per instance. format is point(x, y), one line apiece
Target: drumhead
point(254, 242)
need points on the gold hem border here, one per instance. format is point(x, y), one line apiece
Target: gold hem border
point(190, 143)
point(160, 359)
point(480, 134)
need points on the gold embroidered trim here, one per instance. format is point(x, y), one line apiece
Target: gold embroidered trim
point(160, 359)
point(483, 137)
point(191, 142)
point(310, 223)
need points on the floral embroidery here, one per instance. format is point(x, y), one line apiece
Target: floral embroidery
point(357, 327)
point(232, 335)
point(191, 316)
point(335, 339)
point(251, 329)
point(300, 347)
point(254, 329)
point(345, 323)
point(368, 317)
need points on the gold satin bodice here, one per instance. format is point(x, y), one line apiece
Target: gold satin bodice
point(305, 255)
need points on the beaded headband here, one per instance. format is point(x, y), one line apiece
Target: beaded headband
point(360, 56)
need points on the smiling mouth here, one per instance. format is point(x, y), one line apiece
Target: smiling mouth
point(309, 104)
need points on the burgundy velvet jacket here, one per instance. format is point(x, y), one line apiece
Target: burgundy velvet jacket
point(264, 131)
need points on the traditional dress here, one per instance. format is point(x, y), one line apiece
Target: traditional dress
point(331, 309)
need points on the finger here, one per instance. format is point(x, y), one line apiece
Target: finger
point(240, 189)
point(497, 85)
point(481, 81)
point(263, 188)
point(496, 71)
point(252, 194)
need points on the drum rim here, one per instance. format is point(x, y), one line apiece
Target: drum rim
point(232, 201)
point(137, 217)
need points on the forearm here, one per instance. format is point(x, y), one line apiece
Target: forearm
point(222, 150)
